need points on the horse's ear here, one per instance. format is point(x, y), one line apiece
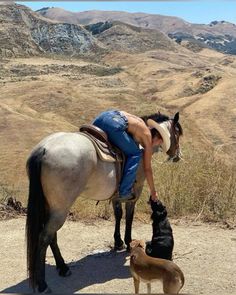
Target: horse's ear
point(176, 118)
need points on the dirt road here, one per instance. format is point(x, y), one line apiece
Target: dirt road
point(206, 254)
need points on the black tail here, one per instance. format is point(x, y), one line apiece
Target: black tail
point(36, 212)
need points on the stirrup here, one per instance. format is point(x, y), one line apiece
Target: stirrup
point(127, 198)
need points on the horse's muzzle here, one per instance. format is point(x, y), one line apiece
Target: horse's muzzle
point(176, 158)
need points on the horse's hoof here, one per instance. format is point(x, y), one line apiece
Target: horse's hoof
point(47, 290)
point(119, 248)
point(43, 288)
point(65, 272)
point(68, 273)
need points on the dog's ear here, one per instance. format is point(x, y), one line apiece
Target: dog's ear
point(133, 244)
point(137, 243)
point(142, 244)
point(157, 205)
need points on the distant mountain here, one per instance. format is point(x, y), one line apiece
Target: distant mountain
point(218, 35)
point(119, 36)
point(24, 32)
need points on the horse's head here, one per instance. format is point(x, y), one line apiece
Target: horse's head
point(170, 130)
point(176, 131)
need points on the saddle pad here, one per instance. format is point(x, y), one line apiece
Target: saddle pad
point(103, 156)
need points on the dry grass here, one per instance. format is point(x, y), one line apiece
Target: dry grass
point(201, 186)
point(73, 91)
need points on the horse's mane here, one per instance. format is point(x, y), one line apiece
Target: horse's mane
point(158, 117)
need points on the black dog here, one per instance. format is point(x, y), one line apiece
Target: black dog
point(162, 243)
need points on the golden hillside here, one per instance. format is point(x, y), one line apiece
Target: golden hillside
point(40, 95)
point(55, 92)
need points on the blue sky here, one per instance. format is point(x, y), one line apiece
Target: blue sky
point(192, 11)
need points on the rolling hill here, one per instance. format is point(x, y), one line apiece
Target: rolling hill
point(140, 70)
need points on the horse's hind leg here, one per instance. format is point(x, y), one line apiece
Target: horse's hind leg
point(117, 207)
point(62, 268)
point(129, 207)
point(45, 239)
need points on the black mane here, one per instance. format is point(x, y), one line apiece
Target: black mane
point(158, 117)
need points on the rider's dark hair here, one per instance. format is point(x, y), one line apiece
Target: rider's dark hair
point(155, 133)
point(158, 117)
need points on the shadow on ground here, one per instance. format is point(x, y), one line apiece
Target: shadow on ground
point(91, 269)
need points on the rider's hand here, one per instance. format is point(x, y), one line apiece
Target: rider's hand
point(154, 196)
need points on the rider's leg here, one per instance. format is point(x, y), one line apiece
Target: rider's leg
point(115, 125)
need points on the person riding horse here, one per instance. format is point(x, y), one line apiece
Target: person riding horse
point(65, 165)
point(135, 139)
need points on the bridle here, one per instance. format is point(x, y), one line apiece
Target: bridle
point(173, 133)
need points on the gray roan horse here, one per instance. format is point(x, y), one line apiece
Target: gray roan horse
point(62, 167)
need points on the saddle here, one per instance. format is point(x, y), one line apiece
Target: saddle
point(105, 150)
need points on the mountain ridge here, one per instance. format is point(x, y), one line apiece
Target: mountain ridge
point(26, 33)
point(218, 35)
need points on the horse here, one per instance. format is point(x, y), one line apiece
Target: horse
point(62, 167)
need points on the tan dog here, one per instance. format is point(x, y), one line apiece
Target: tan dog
point(148, 269)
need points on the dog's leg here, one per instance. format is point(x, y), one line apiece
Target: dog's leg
point(149, 288)
point(171, 287)
point(136, 285)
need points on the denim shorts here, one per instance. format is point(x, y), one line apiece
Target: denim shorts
point(115, 124)
point(111, 121)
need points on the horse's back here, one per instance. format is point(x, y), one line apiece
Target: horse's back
point(69, 167)
point(66, 142)
point(68, 161)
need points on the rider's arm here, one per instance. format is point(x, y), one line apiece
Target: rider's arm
point(147, 158)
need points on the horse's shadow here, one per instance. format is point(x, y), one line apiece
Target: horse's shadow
point(91, 269)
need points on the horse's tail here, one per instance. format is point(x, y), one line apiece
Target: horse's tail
point(36, 212)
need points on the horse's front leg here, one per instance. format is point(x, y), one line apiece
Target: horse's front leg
point(129, 207)
point(117, 207)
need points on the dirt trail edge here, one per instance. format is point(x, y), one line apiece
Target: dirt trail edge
point(205, 253)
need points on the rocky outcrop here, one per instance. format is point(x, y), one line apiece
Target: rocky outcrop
point(23, 33)
point(15, 35)
point(65, 39)
point(222, 43)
